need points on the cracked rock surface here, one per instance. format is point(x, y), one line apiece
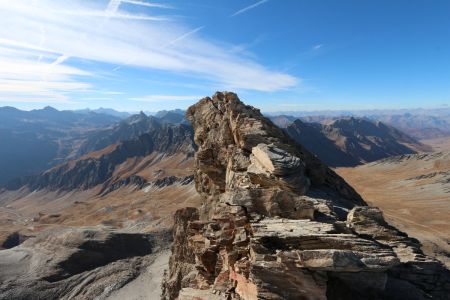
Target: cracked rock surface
point(276, 223)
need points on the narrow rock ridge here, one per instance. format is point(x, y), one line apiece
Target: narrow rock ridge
point(276, 223)
point(140, 183)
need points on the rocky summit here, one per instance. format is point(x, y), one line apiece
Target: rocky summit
point(276, 223)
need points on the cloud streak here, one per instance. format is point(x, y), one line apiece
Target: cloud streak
point(164, 98)
point(185, 35)
point(146, 4)
point(317, 47)
point(247, 8)
point(36, 38)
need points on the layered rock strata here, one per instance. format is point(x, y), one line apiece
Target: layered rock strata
point(276, 223)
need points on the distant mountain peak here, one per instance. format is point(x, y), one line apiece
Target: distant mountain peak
point(49, 108)
point(349, 141)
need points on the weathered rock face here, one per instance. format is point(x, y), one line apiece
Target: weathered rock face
point(243, 155)
point(278, 224)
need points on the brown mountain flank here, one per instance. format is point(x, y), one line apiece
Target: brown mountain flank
point(413, 191)
point(352, 141)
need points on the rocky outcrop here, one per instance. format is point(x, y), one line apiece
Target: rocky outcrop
point(182, 261)
point(276, 223)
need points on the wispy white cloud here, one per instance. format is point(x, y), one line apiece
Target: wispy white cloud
point(41, 99)
point(170, 43)
point(184, 36)
point(96, 99)
point(147, 4)
point(247, 8)
point(114, 15)
point(113, 6)
point(317, 47)
point(164, 98)
point(42, 35)
point(36, 87)
point(111, 93)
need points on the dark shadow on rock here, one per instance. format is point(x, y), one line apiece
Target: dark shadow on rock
point(97, 253)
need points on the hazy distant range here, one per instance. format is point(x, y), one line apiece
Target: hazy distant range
point(419, 123)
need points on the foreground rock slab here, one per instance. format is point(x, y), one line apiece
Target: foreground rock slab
point(276, 223)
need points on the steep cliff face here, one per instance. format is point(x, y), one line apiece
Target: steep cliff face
point(276, 223)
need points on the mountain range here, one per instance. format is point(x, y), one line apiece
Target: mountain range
point(123, 182)
point(36, 140)
point(419, 123)
point(58, 136)
point(351, 141)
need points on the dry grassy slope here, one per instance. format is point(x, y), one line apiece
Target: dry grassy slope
point(151, 208)
point(138, 210)
point(156, 165)
point(438, 144)
point(414, 193)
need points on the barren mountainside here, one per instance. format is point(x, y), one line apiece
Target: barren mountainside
point(127, 129)
point(418, 123)
point(93, 227)
point(33, 141)
point(59, 136)
point(352, 141)
point(413, 191)
point(100, 167)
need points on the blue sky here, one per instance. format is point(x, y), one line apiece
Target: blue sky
point(278, 55)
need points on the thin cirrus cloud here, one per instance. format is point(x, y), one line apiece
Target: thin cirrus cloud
point(317, 47)
point(146, 4)
point(44, 46)
point(163, 98)
point(247, 8)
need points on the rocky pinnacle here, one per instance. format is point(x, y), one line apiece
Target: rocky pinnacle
point(276, 223)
